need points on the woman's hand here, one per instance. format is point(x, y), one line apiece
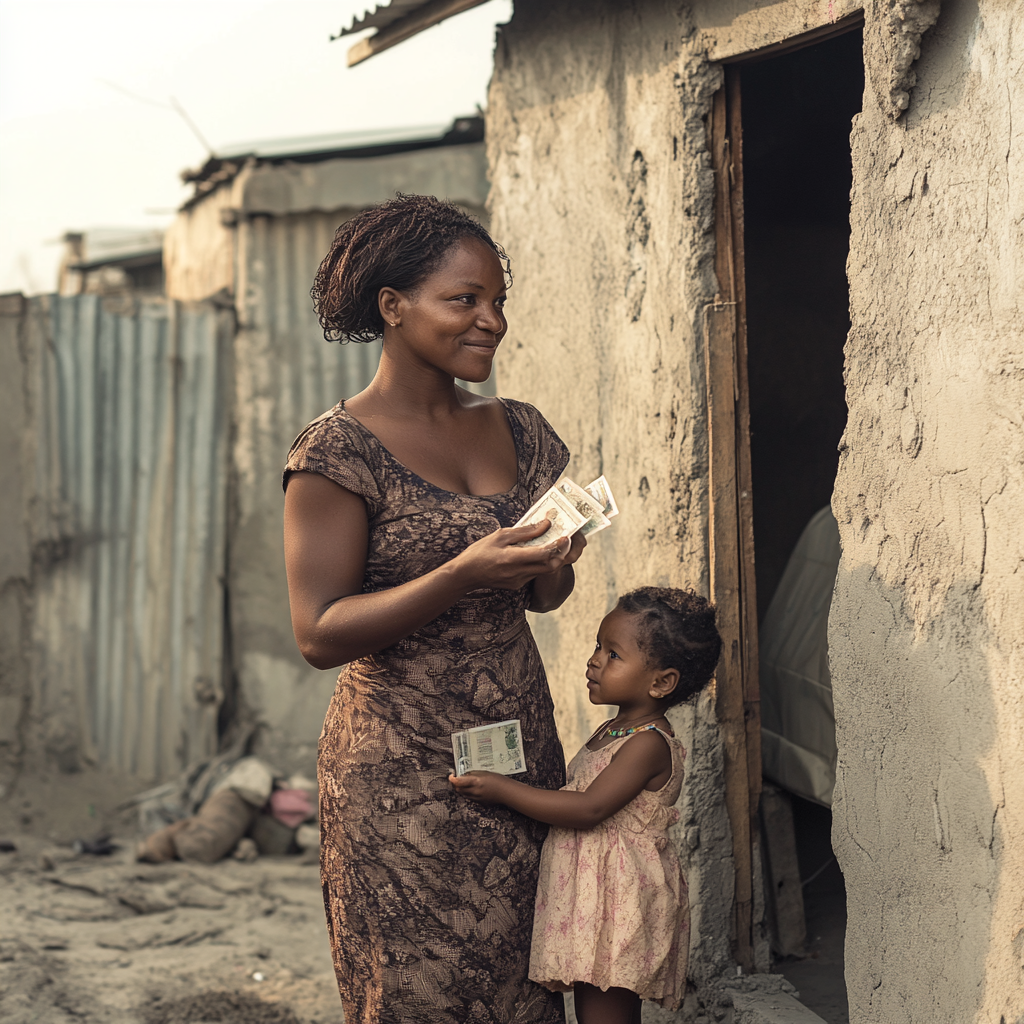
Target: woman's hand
point(577, 542)
point(499, 562)
point(550, 591)
point(483, 787)
point(326, 537)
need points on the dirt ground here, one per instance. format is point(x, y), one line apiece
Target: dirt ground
point(89, 938)
point(104, 939)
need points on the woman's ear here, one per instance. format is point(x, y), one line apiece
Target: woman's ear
point(664, 683)
point(389, 302)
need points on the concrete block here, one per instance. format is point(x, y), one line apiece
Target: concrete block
point(771, 1008)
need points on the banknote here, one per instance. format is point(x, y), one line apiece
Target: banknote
point(586, 504)
point(565, 520)
point(602, 492)
point(490, 748)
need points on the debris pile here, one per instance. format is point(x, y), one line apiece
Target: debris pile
point(230, 806)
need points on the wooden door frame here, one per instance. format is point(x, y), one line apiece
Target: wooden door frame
point(731, 523)
point(730, 496)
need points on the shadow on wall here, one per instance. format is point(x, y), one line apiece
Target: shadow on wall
point(915, 826)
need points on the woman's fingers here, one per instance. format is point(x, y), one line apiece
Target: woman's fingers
point(579, 542)
point(502, 561)
point(517, 534)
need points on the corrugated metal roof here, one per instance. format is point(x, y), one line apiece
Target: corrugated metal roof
point(100, 246)
point(383, 15)
point(313, 148)
point(337, 143)
point(399, 20)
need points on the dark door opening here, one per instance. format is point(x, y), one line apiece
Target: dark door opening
point(796, 115)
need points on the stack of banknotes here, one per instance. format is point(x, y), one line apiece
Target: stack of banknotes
point(570, 508)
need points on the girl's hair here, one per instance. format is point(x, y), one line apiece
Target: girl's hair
point(676, 629)
point(391, 245)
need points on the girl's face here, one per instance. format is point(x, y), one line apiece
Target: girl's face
point(454, 319)
point(618, 672)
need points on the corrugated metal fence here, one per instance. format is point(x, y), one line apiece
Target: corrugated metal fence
point(129, 417)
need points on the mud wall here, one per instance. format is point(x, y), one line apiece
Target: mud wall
point(601, 190)
point(602, 193)
point(926, 644)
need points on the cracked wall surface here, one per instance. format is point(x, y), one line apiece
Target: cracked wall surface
point(602, 142)
point(894, 29)
point(925, 633)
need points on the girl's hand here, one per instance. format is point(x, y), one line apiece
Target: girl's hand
point(497, 562)
point(483, 787)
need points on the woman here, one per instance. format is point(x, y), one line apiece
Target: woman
point(402, 564)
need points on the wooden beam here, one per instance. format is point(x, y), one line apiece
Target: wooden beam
point(850, 23)
point(744, 483)
point(731, 556)
point(431, 13)
point(785, 894)
point(719, 350)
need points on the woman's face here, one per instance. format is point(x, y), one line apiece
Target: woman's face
point(453, 320)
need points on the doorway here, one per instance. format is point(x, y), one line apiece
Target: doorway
point(781, 150)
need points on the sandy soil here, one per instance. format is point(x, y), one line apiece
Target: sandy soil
point(90, 938)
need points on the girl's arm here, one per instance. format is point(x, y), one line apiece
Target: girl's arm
point(325, 539)
point(642, 758)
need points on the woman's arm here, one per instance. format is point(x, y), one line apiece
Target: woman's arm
point(550, 591)
point(325, 539)
point(642, 758)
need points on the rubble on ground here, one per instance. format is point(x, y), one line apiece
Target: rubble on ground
point(108, 940)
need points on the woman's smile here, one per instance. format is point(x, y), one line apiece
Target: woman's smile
point(484, 346)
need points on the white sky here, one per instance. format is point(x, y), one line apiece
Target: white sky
point(77, 154)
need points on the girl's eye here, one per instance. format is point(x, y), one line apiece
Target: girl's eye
point(612, 654)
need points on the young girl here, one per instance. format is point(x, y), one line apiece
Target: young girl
point(612, 917)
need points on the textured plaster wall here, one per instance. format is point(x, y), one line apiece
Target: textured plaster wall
point(926, 640)
point(602, 193)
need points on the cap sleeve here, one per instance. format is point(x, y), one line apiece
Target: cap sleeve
point(332, 447)
point(547, 455)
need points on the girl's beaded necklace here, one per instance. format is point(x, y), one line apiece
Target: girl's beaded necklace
point(616, 733)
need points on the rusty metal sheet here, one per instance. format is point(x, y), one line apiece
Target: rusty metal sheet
point(130, 419)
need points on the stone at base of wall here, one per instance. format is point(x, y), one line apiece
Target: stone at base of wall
point(747, 999)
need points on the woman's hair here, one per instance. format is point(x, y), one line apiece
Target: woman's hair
point(391, 245)
point(676, 629)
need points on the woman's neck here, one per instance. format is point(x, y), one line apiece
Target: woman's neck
point(401, 391)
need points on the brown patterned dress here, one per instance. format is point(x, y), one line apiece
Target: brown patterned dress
point(430, 896)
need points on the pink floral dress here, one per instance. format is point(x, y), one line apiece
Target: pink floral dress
point(612, 908)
